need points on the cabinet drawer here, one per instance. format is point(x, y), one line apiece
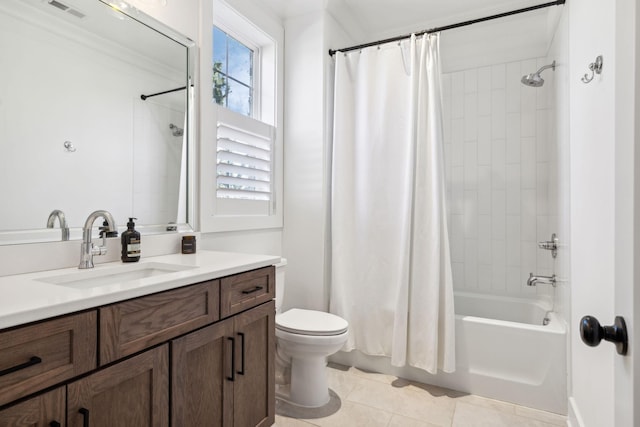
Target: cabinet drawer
point(132, 326)
point(246, 290)
point(38, 356)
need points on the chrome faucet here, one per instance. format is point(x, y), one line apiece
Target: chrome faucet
point(63, 223)
point(88, 249)
point(534, 280)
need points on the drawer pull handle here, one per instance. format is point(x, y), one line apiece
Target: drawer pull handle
point(233, 359)
point(54, 424)
point(85, 416)
point(252, 290)
point(241, 371)
point(33, 361)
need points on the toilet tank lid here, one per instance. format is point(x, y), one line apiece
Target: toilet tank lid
point(311, 322)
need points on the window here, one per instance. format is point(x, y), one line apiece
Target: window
point(241, 156)
point(233, 73)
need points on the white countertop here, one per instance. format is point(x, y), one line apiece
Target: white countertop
point(26, 298)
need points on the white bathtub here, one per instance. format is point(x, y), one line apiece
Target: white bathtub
point(504, 351)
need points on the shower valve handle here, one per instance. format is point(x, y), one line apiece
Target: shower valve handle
point(592, 333)
point(550, 245)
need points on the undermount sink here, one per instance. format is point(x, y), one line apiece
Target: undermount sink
point(113, 275)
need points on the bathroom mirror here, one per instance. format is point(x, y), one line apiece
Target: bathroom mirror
point(75, 133)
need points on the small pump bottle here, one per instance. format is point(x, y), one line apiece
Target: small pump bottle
point(130, 243)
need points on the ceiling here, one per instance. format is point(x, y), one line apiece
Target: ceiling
point(387, 18)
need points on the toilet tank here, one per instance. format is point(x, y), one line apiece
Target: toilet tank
point(280, 269)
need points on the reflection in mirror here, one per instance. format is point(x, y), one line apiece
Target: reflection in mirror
point(75, 133)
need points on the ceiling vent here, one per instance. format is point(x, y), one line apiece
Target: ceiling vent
point(58, 5)
point(65, 8)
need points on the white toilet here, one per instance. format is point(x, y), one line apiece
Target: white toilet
point(304, 339)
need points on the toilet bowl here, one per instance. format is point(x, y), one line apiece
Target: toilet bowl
point(304, 340)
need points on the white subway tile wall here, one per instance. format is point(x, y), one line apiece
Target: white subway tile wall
point(498, 156)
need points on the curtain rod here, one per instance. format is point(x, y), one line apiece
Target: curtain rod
point(449, 27)
point(144, 97)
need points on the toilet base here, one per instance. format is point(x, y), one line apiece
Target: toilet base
point(309, 387)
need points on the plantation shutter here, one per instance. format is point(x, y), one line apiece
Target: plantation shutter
point(244, 159)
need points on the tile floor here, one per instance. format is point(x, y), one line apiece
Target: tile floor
point(361, 398)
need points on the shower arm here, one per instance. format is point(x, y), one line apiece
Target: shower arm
point(552, 65)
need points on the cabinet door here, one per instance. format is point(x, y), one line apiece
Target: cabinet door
point(46, 410)
point(254, 388)
point(201, 377)
point(134, 392)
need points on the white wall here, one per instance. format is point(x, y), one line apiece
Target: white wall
point(303, 240)
point(498, 156)
point(182, 16)
point(308, 38)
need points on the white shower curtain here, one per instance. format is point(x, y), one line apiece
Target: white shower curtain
point(391, 270)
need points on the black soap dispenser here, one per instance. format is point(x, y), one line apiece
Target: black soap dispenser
point(130, 243)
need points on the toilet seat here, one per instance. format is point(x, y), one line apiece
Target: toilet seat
point(311, 322)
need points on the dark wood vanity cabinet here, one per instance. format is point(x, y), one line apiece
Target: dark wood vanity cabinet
point(223, 375)
point(158, 360)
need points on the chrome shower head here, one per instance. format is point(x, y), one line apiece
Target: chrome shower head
point(534, 79)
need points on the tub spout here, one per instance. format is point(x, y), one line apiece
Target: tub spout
point(534, 280)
